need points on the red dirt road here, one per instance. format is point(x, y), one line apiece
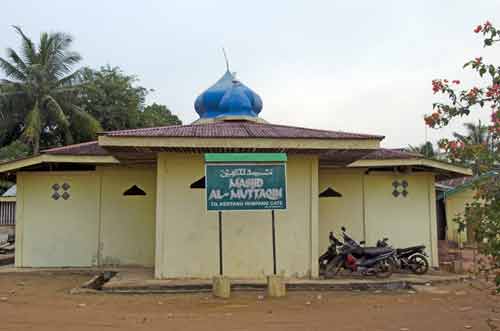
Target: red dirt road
point(42, 302)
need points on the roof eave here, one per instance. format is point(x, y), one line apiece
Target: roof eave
point(257, 143)
point(49, 158)
point(437, 165)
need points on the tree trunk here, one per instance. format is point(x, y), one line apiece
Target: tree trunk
point(36, 146)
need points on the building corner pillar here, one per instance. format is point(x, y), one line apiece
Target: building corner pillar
point(314, 218)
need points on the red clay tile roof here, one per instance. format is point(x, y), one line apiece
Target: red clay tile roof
point(88, 148)
point(240, 129)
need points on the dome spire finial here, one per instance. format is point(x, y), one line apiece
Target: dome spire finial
point(228, 98)
point(225, 57)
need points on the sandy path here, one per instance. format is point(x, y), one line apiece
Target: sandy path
point(43, 302)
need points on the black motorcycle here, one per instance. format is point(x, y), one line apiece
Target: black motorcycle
point(330, 254)
point(354, 258)
point(413, 259)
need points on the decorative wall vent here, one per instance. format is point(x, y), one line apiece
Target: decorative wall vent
point(330, 193)
point(61, 191)
point(200, 183)
point(56, 195)
point(134, 191)
point(400, 188)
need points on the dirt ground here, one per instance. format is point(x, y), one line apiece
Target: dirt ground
point(42, 302)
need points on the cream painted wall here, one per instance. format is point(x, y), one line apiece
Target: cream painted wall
point(347, 210)
point(370, 211)
point(55, 233)
point(52, 233)
point(187, 235)
point(405, 221)
point(455, 205)
point(127, 222)
point(67, 233)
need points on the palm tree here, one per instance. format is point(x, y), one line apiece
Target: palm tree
point(43, 78)
point(475, 134)
point(480, 146)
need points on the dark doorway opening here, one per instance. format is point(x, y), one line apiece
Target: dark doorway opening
point(442, 225)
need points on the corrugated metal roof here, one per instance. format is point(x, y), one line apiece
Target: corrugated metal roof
point(391, 154)
point(88, 148)
point(455, 182)
point(332, 156)
point(345, 157)
point(237, 129)
point(466, 181)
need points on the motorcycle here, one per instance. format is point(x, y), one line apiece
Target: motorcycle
point(330, 254)
point(413, 259)
point(351, 256)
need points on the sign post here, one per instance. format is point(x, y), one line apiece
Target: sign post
point(221, 264)
point(246, 181)
point(274, 242)
point(242, 187)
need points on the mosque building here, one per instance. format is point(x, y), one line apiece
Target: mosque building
point(137, 197)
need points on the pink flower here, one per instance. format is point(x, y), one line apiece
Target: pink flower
point(493, 91)
point(437, 85)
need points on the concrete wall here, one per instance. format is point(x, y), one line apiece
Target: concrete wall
point(97, 225)
point(53, 233)
point(405, 221)
point(455, 205)
point(370, 211)
point(187, 235)
point(127, 222)
point(348, 210)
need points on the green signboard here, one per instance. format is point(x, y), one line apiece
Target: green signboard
point(245, 186)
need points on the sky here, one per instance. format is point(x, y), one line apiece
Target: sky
point(355, 66)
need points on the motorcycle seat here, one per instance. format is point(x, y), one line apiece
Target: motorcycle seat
point(410, 249)
point(376, 251)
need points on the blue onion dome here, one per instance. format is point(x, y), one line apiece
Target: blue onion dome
point(228, 97)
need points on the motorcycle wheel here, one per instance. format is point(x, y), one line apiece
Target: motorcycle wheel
point(418, 264)
point(384, 269)
point(334, 266)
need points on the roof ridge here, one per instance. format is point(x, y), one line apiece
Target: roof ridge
point(242, 125)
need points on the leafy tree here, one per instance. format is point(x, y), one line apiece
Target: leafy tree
point(4, 185)
point(158, 115)
point(426, 149)
point(117, 102)
point(10, 120)
point(110, 96)
point(484, 214)
point(42, 77)
point(14, 150)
